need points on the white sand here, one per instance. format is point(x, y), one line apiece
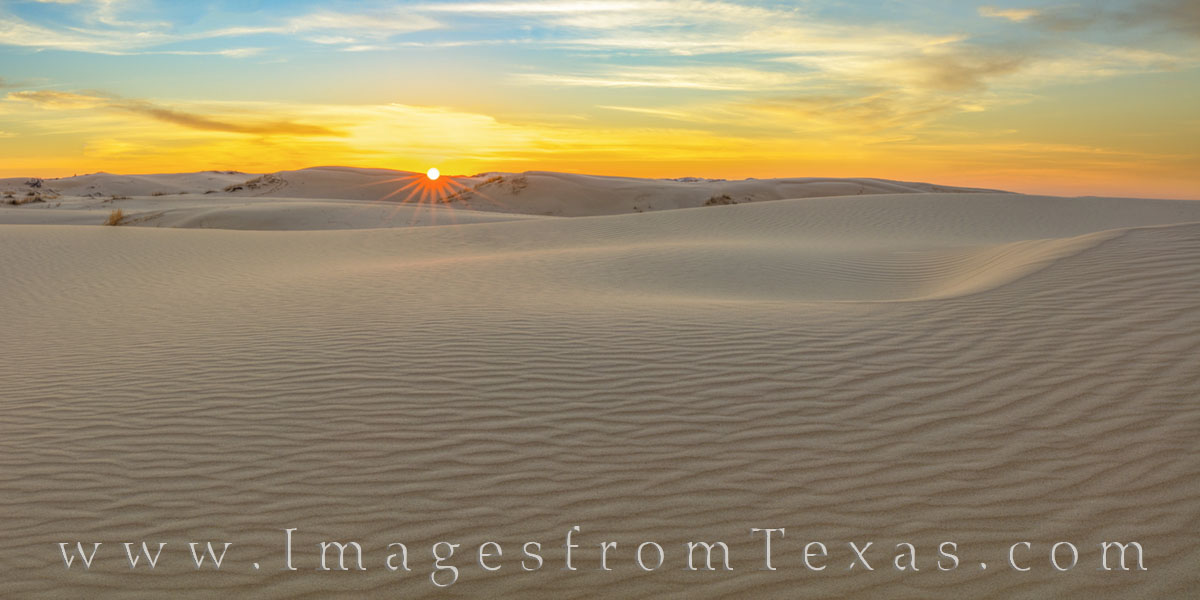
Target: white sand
point(983, 368)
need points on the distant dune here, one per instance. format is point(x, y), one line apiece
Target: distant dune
point(353, 198)
point(852, 360)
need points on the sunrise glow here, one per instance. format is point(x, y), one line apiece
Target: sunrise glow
point(433, 173)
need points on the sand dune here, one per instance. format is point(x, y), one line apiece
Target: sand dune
point(983, 368)
point(321, 198)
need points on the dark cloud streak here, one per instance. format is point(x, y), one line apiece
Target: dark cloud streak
point(966, 68)
point(204, 123)
point(1176, 16)
point(1181, 16)
point(67, 100)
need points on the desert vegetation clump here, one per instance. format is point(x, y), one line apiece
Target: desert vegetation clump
point(116, 217)
point(29, 198)
point(463, 195)
point(721, 200)
point(515, 184)
point(267, 182)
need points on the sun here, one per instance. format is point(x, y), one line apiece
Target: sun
point(433, 173)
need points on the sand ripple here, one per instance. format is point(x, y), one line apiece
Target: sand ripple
point(773, 365)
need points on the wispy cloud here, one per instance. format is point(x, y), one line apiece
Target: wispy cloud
point(958, 67)
point(695, 78)
point(1015, 15)
point(101, 31)
point(540, 8)
point(610, 14)
point(17, 32)
point(657, 112)
point(344, 27)
point(230, 52)
point(56, 99)
point(866, 118)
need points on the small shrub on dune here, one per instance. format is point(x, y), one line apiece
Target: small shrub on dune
point(30, 198)
point(722, 200)
point(116, 217)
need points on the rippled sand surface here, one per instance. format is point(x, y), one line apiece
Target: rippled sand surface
point(984, 369)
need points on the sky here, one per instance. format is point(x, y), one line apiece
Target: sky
point(1089, 97)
